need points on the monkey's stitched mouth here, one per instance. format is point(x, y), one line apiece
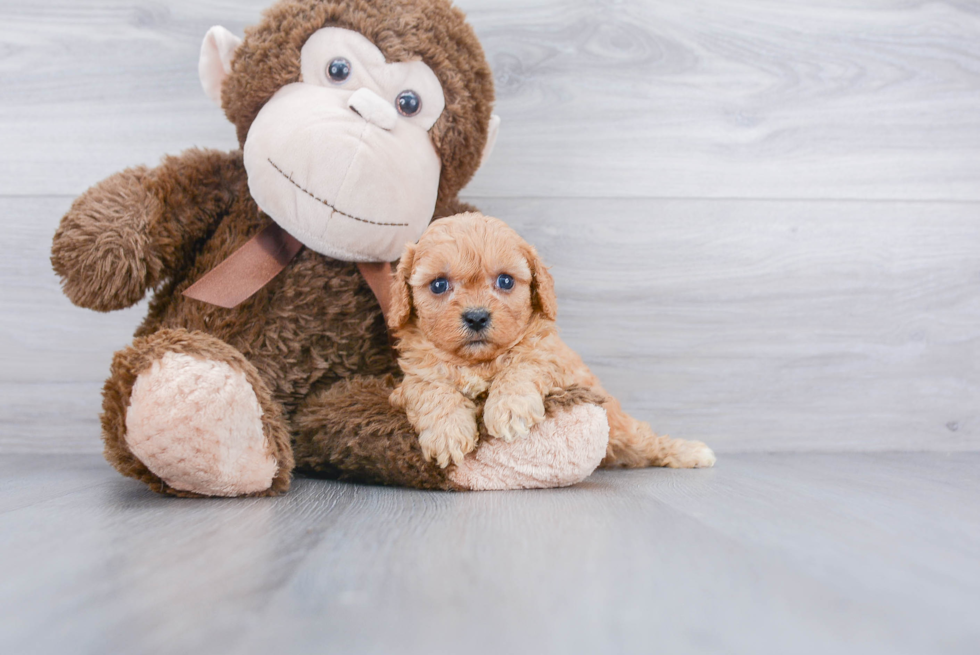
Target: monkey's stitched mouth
point(324, 202)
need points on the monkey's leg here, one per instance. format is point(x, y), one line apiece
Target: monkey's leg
point(351, 432)
point(188, 415)
point(632, 444)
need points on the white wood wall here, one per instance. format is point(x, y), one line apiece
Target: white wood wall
point(764, 217)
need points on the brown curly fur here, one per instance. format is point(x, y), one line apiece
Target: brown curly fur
point(315, 326)
point(105, 239)
point(357, 407)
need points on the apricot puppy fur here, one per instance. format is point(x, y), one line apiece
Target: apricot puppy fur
point(473, 311)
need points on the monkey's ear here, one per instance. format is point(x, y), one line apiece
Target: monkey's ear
point(543, 297)
point(214, 66)
point(401, 291)
point(492, 131)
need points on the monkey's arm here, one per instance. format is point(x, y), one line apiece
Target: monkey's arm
point(444, 418)
point(350, 431)
point(134, 229)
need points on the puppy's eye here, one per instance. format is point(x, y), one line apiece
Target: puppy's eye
point(439, 286)
point(338, 70)
point(505, 282)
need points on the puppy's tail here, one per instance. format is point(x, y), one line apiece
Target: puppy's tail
point(633, 444)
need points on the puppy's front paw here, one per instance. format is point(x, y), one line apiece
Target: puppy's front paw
point(508, 416)
point(691, 455)
point(450, 440)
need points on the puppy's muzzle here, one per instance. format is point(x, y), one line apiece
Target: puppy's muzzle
point(476, 320)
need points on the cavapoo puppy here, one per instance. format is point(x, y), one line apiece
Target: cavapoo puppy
point(473, 311)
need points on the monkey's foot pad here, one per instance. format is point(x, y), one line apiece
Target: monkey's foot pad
point(197, 424)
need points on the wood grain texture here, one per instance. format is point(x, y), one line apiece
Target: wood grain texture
point(734, 99)
point(774, 325)
point(54, 356)
point(708, 98)
point(765, 554)
point(754, 325)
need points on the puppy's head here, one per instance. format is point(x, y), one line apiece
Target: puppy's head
point(473, 286)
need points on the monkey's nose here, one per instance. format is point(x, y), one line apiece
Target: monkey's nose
point(373, 108)
point(476, 319)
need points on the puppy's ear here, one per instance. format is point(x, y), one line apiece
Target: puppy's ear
point(401, 291)
point(543, 297)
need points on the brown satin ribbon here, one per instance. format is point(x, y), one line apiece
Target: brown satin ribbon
point(261, 259)
point(378, 276)
point(247, 270)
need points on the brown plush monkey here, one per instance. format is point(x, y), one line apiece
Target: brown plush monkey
point(359, 122)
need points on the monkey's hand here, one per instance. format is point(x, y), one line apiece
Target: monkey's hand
point(512, 410)
point(129, 232)
point(101, 249)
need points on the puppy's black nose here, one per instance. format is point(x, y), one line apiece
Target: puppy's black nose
point(476, 319)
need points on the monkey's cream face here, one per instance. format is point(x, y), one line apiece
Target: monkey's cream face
point(471, 287)
point(343, 160)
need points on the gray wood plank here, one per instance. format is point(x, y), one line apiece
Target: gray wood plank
point(710, 98)
point(31, 480)
point(852, 501)
point(601, 569)
point(37, 317)
point(771, 326)
point(98, 577)
point(53, 356)
point(757, 326)
point(783, 553)
point(727, 98)
point(53, 416)
point(93, 87)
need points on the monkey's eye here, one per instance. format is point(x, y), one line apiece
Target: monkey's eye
point(505, 282)
point(439, 286)
point(408, 103)
point(338, 70)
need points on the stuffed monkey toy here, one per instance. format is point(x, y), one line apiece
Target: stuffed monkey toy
point(264, 350)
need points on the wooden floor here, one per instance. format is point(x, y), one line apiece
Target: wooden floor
point(790, 553)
